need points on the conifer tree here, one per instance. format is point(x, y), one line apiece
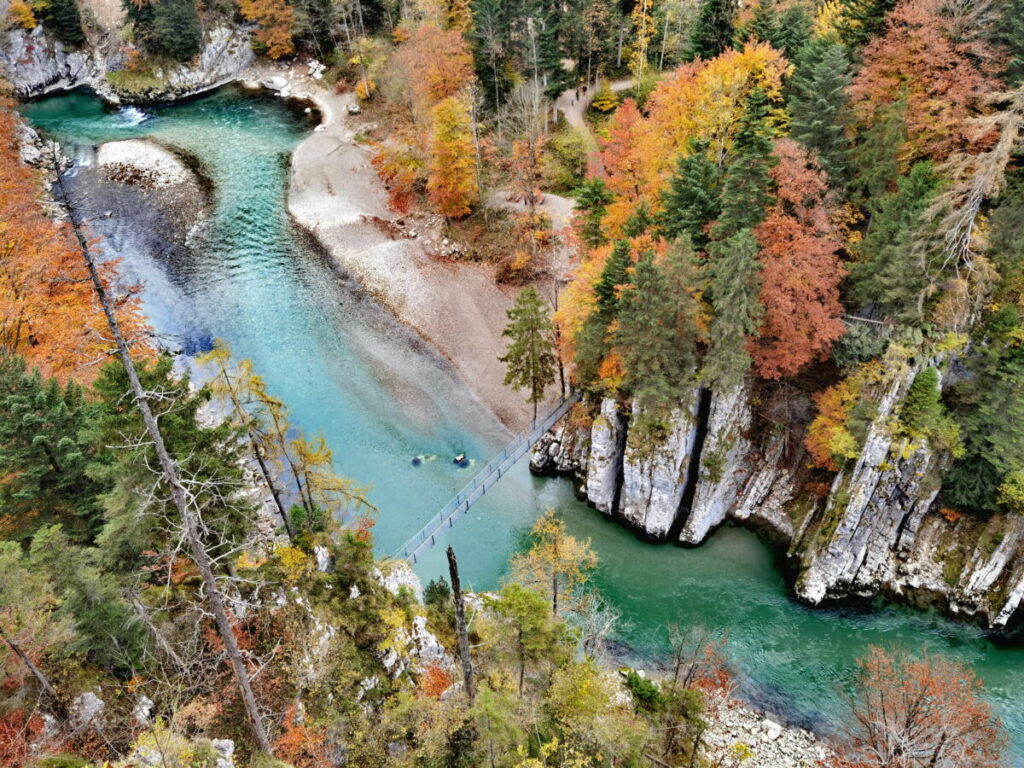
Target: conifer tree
point(659, 360)
point(43, 458)
point(176, 28)
point(64, 18)
point(613, 276)
point(691, 201)
point(876, 155)
point(530, 357)
point(746, 185)
point(990, 410)
point(861, 20)
point(733, 266)
point(890, 272)
point(818, 104)
point(712, 30)
point(734, 285)
point(592, 198)
point(1010, 34)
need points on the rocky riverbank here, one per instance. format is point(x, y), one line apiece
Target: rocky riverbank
point(336, 195)
point(875, 530)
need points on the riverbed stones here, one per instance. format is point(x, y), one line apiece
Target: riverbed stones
point(735, 730)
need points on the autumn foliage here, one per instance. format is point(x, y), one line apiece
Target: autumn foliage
point(939, 63)
point(924, 712)
point(48, 312)
point(800, 268)
point(276, 20)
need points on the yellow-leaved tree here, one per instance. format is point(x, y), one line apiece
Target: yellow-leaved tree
point(556, 564)
point(451, 180)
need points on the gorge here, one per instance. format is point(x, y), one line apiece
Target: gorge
point(382, 396)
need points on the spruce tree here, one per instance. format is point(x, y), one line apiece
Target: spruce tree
point(861, 20)
point(592, 198)
point(746, 185)
point(875, 156)
point(922, 410)
point(613, 276)
point(691, 201)
point(43, 458)
point(818, 103)
point(890, 272)
point(1010, 34)
point(530, 358)
point(176, 31)
point(733, 271)
point(315, 20)
point(63, 17)
point(733, 280)
point(713, 29)
point(989, 405)
point(658, 361)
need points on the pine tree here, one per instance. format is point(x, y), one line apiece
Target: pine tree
point(658, 361)
point(592, 198)
point(43, 458)
point(530, 357)
point(818, 105)
point(734, 286)
point(861, 20)
point(691, 201)
point(63, 17)
point(712, 30)
point(890, 272)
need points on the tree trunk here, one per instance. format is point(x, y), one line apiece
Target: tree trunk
point(58, 705)
point(460, 626)
point(554, 593)
point(522, 663)
point(169, 470)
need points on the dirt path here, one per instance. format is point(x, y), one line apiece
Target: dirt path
point(335, 193)
point(575, 109)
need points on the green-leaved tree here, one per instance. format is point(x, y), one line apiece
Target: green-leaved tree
point(530, 358)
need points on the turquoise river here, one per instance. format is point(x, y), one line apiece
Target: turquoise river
point(379, 395)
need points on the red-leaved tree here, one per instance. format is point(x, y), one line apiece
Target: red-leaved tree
point(800, 268)
point(920, 712)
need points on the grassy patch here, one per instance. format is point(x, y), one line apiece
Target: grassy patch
point(129, 81)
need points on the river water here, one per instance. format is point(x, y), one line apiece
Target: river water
point(380, 396)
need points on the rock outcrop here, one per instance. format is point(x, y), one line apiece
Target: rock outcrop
point(604, 465)
point(35, 64)
point(876, 531)
point(654, 474)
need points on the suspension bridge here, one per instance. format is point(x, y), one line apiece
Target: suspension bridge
point(482, 482)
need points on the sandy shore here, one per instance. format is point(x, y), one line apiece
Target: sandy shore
point(458, 307)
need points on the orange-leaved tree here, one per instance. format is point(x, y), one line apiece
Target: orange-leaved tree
point(800, 268)
point(941, 63)
point(48, 312)
point(451, 180)
point(920, 712)
point(276, 20)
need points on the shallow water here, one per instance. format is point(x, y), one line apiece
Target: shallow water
point(347, 369)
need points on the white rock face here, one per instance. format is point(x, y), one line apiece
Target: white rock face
point(607, 436)
point(400, 574)
point(87, 710)
point(723, 466)
point(34, 63)
point(654, 477)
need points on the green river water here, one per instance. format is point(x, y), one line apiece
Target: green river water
point(347, 369)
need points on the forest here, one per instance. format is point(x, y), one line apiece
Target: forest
point(793, 197)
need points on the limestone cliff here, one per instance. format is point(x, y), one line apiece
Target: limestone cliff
point(36, 64)
point(875, 530)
